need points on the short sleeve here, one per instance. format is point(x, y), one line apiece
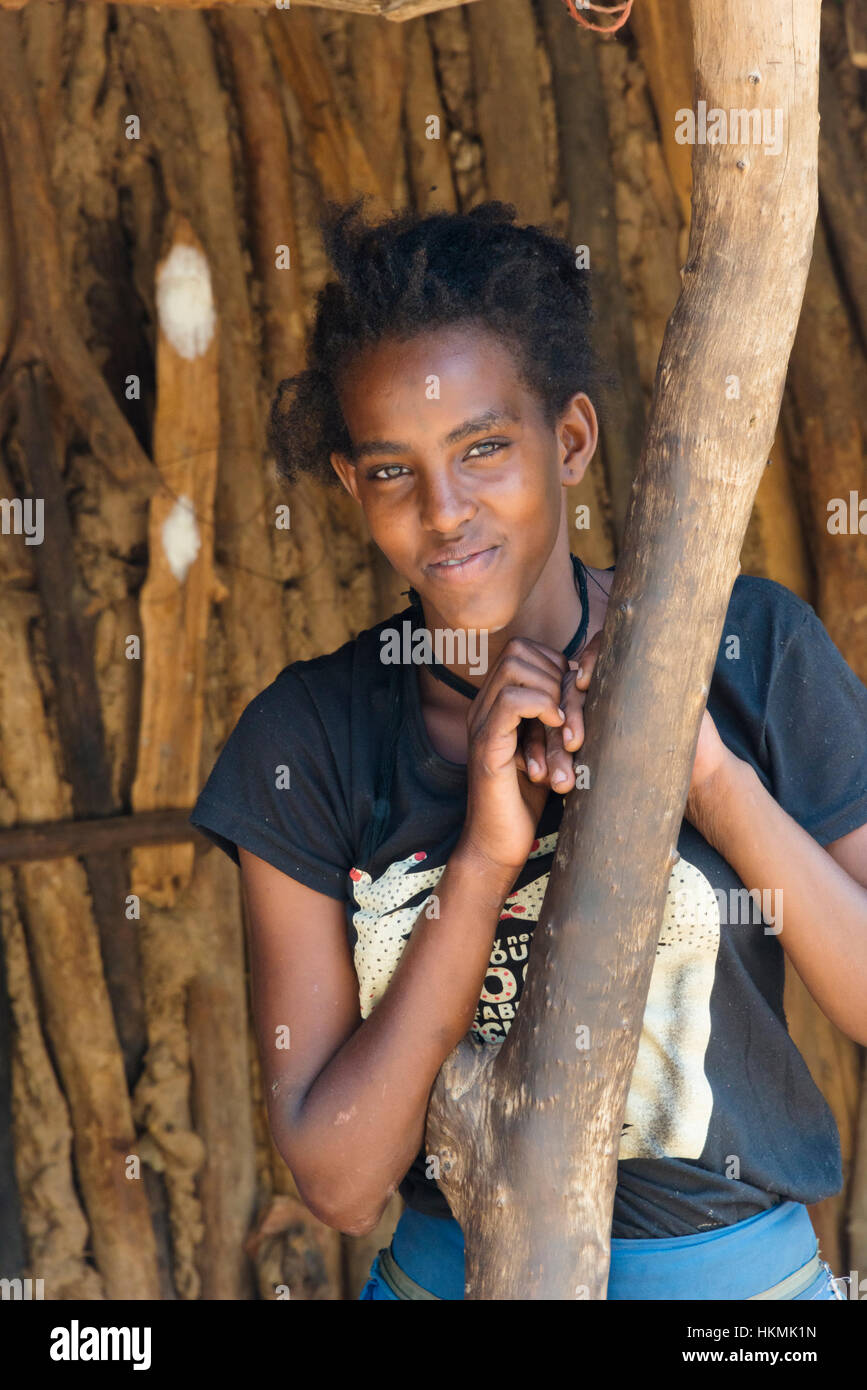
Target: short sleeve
point(275, 790)
point(816, 734)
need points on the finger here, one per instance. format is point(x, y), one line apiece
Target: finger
point(573, 726)
point(559, 763)
point(584, 663)
point(497, 732)
point(534, 750)
point(533, 672)
point(547, 661)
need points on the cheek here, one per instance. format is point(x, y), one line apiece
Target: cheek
point(392, 525)
point(529, 493)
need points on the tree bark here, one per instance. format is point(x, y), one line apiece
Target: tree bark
point(69, 639)
point(533, 1123)
point(588, 180)
point(398, 10)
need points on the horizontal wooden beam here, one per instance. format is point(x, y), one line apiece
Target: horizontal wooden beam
point(20, 844)
point(389, 9)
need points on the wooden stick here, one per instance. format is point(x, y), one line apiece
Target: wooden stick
point(47, 326)
point(664, 32)
point(856, 31)
point(8, 291)
point(175, 601)
point(775, 544)
point(429, 167)
point(509, 106)
point(505, 1112)
point(590, 190)
point(54, 1225)
point(63, 944)
point(70, 643)
point(268, 169)
point(12, 1255)
point(62, 839)
point(341, 161)
point(256, 650)
point(397, 10)
point(219, 1051)
point(844, 197)
point(828, 380)
point(378, 57)
point(272, 224)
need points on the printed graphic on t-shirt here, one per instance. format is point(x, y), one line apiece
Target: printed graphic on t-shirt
point(670, 1101)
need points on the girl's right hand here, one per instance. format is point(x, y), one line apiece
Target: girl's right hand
point(504, 805)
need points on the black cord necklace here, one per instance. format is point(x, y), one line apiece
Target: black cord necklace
point(463, 687)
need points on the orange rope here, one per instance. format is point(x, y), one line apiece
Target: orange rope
point(622, 10)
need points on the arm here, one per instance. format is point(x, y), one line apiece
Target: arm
point(824, 891)
point(347, 1100)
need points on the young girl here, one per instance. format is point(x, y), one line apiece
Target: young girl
point(394, 810)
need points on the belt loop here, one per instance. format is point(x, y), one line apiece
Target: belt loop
point(399, 1281)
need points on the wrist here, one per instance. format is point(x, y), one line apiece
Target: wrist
point(469, 857)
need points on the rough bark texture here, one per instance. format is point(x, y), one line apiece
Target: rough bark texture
point(248, 118)
point(535, 1122)
point(387, 9)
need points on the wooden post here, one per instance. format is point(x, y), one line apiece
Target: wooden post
point(70, 644)
point(175, 599)
point(398, 10)
point(533, 1124)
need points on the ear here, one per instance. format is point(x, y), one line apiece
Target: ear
point(347, 473)
point(577, 436)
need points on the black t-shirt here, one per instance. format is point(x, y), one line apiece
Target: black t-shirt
point(723, 1119)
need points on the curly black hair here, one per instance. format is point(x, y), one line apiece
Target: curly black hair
point(408, 274)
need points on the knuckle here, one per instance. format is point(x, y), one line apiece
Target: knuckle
point(514, 668)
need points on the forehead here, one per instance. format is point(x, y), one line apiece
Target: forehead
point(432, 379)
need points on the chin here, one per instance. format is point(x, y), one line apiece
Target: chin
point(484, 617)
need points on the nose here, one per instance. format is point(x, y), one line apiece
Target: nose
point(446, 504)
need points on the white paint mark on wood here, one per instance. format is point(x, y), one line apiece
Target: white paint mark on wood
point(180, 538)
point(185, 302)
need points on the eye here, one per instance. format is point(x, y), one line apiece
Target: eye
point(491, 445)
point(377, 473)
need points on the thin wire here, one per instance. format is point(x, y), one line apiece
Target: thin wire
point(573, 6)
point(605, 591)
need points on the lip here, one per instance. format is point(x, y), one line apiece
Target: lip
point(469, 568)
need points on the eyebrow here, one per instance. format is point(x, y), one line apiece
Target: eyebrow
point(486, 420)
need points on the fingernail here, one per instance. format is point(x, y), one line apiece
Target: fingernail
point(559, 776)
point(568, 734)
point(579, 673)
point(533, 768)
point(561, 712)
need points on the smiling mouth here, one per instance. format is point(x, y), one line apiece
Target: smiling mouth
point(469, 563)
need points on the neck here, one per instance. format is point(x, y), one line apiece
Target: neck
point(552, 623)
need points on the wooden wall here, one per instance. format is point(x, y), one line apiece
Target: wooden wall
point(137, 141)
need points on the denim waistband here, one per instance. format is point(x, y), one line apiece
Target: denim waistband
point(731, 1262)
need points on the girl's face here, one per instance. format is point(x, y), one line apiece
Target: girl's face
point(453, 457)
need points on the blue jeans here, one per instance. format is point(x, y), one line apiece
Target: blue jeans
point(733, 1262)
